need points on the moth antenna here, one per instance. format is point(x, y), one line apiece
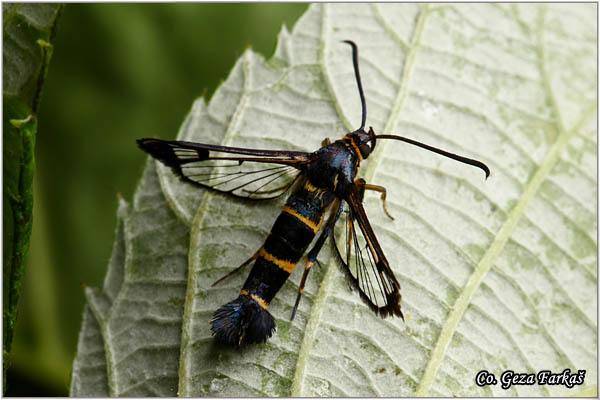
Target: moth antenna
point(358, 82)
point(444, 153)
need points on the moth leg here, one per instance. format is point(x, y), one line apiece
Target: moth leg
point(350, 238)
point(312, 254)
point(363, 186)
point(238, 269)
point(326, 142)
point(301, 288)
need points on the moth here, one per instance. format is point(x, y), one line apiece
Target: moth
point(323, 187)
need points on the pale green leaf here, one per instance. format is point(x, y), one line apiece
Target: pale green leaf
point(498, 274)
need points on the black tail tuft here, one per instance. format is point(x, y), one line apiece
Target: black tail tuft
point(242, 321)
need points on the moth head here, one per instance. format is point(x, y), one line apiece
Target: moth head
point(364, 141)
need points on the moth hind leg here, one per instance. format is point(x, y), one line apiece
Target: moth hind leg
point(238, 269)
point(312, 254)
point(307, 267)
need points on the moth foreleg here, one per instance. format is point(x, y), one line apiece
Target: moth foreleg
point(366, 186)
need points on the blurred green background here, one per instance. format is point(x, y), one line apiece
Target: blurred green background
point(119, 72)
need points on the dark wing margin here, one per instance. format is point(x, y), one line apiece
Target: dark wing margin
point(364, 262)
point(246, 173)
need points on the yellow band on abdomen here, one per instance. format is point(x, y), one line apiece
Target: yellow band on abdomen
point(311, 224)
point(287, 266)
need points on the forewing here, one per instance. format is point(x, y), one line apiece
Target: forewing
point(247, 173)
point(364, 262)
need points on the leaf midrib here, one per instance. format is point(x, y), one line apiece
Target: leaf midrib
point(332, 270)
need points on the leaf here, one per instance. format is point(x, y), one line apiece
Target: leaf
point(496, 275)
point(27, 32)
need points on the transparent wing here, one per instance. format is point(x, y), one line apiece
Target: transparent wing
point(249, 180)
point(247, 173)
point(364, 262)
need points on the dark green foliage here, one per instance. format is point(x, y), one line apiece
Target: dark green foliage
point(27, 32)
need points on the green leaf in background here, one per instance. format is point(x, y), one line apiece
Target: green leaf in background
point(496, 275)
point(27, 32)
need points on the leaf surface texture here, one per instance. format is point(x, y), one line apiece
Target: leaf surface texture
point(498, 274)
